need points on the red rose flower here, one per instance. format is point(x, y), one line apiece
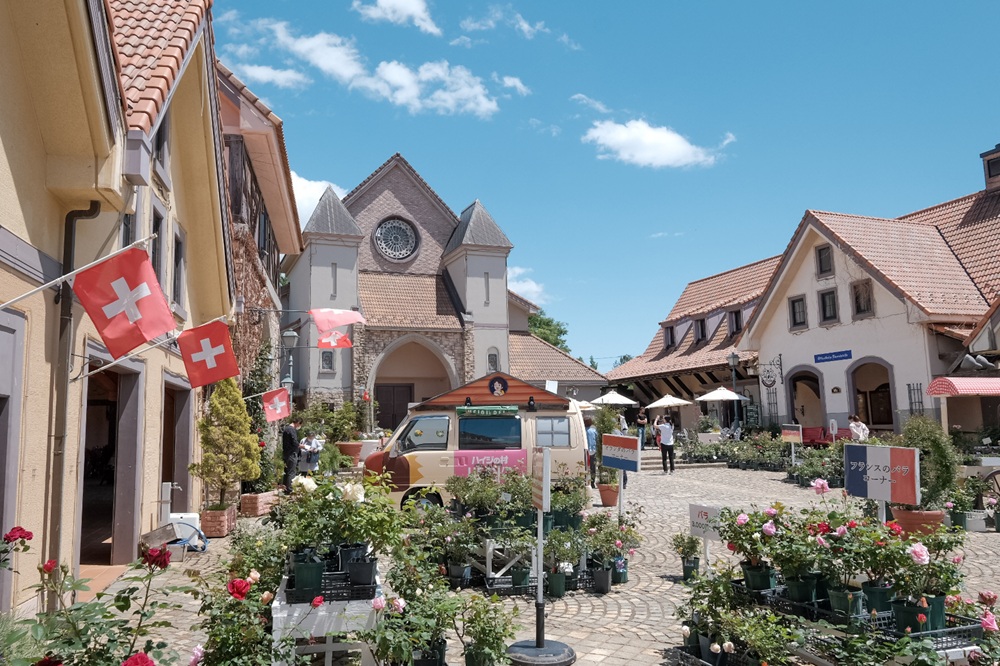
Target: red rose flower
point(48, 661)
point(157, 558)
point(139, 659)
point(317, 602)
point(238, 587)
point(16, 534)
point(731, 546)
point(894, 527)
point(824, 528)
point(49, 566)
point(921, 618)
point(852, 523)
point(261, 444)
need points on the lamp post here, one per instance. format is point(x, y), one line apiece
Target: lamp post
point(734, 362)
point(289, 339)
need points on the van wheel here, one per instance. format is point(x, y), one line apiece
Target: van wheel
point(430, 499)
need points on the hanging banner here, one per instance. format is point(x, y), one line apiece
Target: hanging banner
point(620, 452)
point(208, 354)
point(889, 473)
point(277, 404)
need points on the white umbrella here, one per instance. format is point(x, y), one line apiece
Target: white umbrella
point(722, 394)
point(613, 398)
point(584, 406)
point(667, 401)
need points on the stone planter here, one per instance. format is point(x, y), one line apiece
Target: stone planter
point(609, 494)
point(257, 504)
point(218, 523)
point(352, 449)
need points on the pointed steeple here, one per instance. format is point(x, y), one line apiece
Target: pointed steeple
point(477, 227)
point(331, 217)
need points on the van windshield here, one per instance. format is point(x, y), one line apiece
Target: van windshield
point(489, 432)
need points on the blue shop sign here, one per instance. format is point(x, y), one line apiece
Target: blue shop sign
point(833, 356)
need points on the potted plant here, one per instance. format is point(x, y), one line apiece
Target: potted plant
point(748, 535)
point(687, 548)
point(930, 571)
point(367, 516)
point(562, 551)
point(600, 532)
point(518, 544)
point(412, 631)
point(515, 498)
point(881, 552)
point(841, 563)
point(958, 503)
point(938, 475)
point(485, 627)
point(460, 539)
point(230, 453)
point(568, 499)
point(258, 495)
point(607, 485)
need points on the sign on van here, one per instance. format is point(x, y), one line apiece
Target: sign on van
point(487, 410)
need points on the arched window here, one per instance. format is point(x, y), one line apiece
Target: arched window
point(493, 360)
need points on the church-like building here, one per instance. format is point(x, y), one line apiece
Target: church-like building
point(432, 287)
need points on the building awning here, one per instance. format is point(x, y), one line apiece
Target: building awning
point(949, 386)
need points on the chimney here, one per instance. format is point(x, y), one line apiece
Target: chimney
point(991, 168)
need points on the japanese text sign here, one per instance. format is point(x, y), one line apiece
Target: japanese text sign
point(703, 521)
point(620, 452)
point(887, 473)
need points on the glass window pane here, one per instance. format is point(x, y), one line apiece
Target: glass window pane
point(427, 433)
point(552, 431)
point(488, 432)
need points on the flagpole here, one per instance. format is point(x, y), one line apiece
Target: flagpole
point(170, 338)
point(61, 279)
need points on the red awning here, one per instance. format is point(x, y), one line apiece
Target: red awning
point(964, 386)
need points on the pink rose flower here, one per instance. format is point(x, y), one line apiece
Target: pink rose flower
point(949, 505)
point(769, 529)
point(771, 511)
point(991, 501)
point(988, 598)
point(197, 654)
point(398, 605)
point(822, 542)
point(919, 553)
point(841, 531)
point(820, 486)
point(742, 519)
point(989, 622)
point(378, 603)
point(618, 543)
point(592, 530)
point(317, 601)
point(957, 559)
point(631, 552)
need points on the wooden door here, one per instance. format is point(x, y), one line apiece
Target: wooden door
point(393, 400)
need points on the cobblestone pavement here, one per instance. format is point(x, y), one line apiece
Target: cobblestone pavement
point(635, 621)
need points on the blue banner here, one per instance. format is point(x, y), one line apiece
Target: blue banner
point(833, 356)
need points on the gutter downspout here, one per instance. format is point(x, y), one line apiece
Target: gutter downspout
point(61, 385)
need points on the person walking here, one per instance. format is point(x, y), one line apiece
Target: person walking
point(666, 429)
point(640, 424)
point(290, 451)
point(591, 449)
point(859, 431)
point(309, 449)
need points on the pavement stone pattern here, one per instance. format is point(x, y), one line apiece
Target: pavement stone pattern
point(635, 621)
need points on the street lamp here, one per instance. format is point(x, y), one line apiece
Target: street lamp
point(734, 362)
point(289, 339)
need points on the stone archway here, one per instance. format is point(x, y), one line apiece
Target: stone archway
point(872, 394)
point(411, 368)
point(805, 396)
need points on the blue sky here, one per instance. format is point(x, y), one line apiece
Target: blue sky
point(629, 148)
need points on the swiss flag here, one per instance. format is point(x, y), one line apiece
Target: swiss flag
point(328, 318)
point(276, 404)
point(334, 340)
point(124, 300)
point(208, 354)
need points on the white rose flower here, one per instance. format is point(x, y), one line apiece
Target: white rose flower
point(728, 646)
point(303, 483)
point(354, 492)
point(716, 648)
point(685, 631)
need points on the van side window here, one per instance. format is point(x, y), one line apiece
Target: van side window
point(489, 432)
point(552, 430)
point(425, 433)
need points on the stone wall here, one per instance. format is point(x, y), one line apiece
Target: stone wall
point(369, 344)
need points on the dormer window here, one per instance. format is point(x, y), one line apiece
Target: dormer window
point(668, 337)
point(991, 167)
point(735, 322)
point(824, 261)
point(700, 330)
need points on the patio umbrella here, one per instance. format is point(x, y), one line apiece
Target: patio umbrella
point(613, 398)
point(667, 401)
point(584, 406)
point(722, 394)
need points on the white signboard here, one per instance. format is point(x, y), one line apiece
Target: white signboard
point(701, 521)
point(541, 480)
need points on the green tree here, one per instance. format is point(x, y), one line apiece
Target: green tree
point(622, 360)
point(593, 362)
point(229, 451)
point(256, 382)
point(548, 329)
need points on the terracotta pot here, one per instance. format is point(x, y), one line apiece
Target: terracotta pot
point(609, 494)
point(917, 522)
point(257, 504)
point(352, 449)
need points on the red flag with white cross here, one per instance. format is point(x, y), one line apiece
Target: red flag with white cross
point(208, 354)
point(330, 318)
point(276, 404)
point(334, 340)
point(123, 298)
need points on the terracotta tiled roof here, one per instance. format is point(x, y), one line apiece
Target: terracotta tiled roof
point(399, 159)
point(152, 39)
point(535, 360)
point(400, 301)
point(913, 257)
point(971, 226)
point(739, 285)
point(685, 356)
point(957, 331)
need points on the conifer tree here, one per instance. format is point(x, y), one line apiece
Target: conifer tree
point(229, 450)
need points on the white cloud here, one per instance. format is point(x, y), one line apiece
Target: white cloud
point(399, 12)
point(307, 194)
point(528, 30)
point(332, 54)
point(240, 51)
point(592, 103)
point(536, 124)
point(283, 78)
point(463, 41)
point(488, 22)
point(434, 86)
point(570, 44)
point(519, 283)
point(666, 234)
point(513, 83)
point(225, 17)
point(637, 142)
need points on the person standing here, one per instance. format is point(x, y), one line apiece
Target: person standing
point(666, 429)
point(640, 424)
point(591, 450)
point(309, 449)
point(622, 423)
point(290, 451)
point(859, 431)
